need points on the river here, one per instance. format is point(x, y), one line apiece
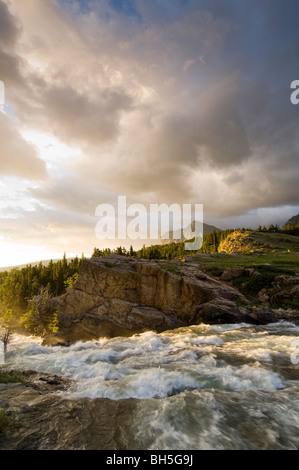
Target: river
point(200, 387)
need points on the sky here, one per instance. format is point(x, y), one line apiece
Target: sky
point(161, 101)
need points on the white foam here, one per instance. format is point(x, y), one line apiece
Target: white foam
point(198, 388)
point(158, 365)
point(230, 327)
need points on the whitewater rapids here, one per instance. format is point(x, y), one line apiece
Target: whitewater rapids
point(199, 387)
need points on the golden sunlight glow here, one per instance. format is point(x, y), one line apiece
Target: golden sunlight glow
point(50, 149)
point(12, 254)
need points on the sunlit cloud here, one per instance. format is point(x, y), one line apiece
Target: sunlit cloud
point(160, 101)
point(50, 149)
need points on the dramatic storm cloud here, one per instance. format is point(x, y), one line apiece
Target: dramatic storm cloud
point(173, 101)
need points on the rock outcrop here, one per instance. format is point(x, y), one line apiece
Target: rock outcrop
point(39, 418)
point(118, 296)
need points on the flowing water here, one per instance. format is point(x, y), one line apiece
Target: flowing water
point(201, 387)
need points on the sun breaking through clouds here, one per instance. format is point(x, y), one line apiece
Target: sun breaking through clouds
point(173, 101)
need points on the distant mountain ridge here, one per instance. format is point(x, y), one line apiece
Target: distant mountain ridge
point(34, 263)
point(188, 233)
point(182, 235)
point(292, 221)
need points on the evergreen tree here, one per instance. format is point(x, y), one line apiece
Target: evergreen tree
point(19, 286)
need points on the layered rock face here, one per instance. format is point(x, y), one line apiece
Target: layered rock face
point(115, 295)
point(119, 296)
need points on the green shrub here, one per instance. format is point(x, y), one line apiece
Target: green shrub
point(110, 265)
point(7, 377)
point(250, 287)
point(171, 267)
point(8, 420)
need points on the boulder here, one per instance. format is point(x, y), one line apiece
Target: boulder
point(286, 296)
point(238, 271)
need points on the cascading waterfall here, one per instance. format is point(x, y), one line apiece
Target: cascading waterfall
point(199, 387)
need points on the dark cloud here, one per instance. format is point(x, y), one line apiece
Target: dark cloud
point(10, 62)
point(84, 118)
point(168, 101)
point(9, 28)
point(10, 69)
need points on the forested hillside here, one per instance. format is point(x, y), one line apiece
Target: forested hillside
point(23, 291)
point(19, 286)
point(211, 244)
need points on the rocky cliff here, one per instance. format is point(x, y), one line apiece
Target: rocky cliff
point(116, 295)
